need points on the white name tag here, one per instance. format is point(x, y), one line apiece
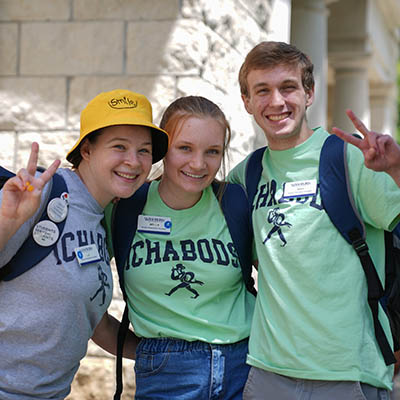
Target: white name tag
point(87, 254)
point(149, 224)
point(300, 188)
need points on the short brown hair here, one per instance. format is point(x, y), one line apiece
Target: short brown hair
point(270, 54)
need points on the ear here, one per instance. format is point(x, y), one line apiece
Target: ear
point(247, 104)
point(84, 149)
point(310, 97)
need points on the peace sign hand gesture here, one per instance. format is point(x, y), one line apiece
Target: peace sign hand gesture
point(21, 195)
point(381, 152)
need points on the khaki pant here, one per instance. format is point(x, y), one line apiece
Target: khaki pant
point(264, 385)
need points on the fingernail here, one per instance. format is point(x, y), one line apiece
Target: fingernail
point(28, 186)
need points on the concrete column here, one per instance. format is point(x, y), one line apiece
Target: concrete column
point(383, 108)
point(279, 23)
point(351, 91)
point(309, 34)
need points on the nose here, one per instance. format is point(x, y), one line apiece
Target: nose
point(276, 98)
point(132, 159)
point(197, 161)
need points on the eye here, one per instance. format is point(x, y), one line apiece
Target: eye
point(119, 147)
point(214, 151)
point(145, 150)
point(262, 91)
point(289, 88)
point(184, 148)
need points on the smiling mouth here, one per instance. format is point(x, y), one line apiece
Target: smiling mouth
point(279, 117)
point(127, 176)
point(193, 175)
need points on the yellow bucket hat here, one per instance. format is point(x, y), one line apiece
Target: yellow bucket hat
point(121, 107)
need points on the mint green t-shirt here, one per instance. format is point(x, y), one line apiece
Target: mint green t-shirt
point(187, 284)
point(312, 319)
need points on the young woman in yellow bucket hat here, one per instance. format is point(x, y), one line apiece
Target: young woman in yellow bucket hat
point(51, 311)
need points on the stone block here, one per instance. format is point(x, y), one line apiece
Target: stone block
point(8, 49)
point(52, 145)
point(74, 48)
point(160, 90)
point(222, 64)
point(32, 103)
point(126, 9)
point(242, 24)
point(7, 150)
point(176, 47)
point(38, 10)
point(188, 48)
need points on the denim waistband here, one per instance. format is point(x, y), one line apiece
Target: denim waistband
point(171, 344)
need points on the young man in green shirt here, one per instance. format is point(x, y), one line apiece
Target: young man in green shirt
point(312, 334)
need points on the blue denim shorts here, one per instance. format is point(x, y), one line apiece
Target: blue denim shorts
point(177, 369)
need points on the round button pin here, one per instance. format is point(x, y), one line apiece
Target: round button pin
point(57, 210)
point(45, 233)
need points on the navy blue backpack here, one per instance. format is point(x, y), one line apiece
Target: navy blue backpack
point(30, 253)
point(339, 204)
point(123, 222)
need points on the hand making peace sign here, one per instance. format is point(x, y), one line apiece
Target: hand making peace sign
point(381, 152)
point(21, 194)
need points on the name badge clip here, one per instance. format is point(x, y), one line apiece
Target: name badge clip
point(293, 190)
point(152, 224)
point(87, 254)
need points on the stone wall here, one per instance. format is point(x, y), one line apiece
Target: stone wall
point(55, 55)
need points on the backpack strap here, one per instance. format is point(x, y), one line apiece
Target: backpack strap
point(392, 284)
point(337, 200)
point(122, 330)
point(31, 253)
point(235, 206)
point(123, 227)
point(5, 175)
point(252, 177)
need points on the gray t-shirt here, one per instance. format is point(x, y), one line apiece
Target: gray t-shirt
point(48, 314)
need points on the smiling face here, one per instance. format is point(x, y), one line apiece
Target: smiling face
point(117, 163)
point(278, 101)
point(192, 161)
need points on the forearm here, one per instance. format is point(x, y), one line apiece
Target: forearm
point(106, 335)
point(7, 230)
